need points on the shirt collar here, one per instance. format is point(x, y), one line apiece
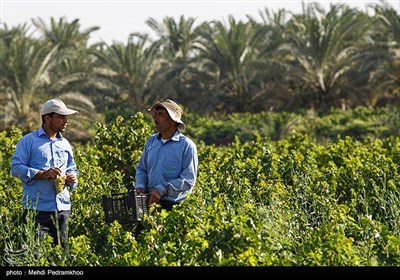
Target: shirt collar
point(42, 132)
point(174, 137)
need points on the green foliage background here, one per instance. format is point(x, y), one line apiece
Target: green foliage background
point(285, 190)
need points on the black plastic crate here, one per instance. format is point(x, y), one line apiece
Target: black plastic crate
point(126, 208)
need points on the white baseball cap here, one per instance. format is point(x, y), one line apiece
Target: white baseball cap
point(56, 106)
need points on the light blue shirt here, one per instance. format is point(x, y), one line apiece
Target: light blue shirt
point(170, 167)
point(34, 152)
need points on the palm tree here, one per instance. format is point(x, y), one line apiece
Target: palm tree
point(131, 69)
point(24, 76)
point(176, 39)
point(230, 54)
point(325, 48)
point(273, 63)
point(72, 78)
point(68, 37)
point(177, 43)
point(30, 75)
point(386, 76)
point(63, 33)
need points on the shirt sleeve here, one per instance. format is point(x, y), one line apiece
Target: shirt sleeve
point(19, 162)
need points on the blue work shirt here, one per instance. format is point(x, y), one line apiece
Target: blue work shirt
point(34, 152)
point(170, 167)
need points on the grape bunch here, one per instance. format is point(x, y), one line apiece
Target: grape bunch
point(59, 183)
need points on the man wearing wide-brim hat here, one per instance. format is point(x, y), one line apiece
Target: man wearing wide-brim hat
point(167, 168)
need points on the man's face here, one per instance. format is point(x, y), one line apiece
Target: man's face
point(58, 123)
point(162, 120)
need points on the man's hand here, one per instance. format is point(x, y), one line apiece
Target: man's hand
point(139, 190)
point(154, 196)
point(49, 174)
point(71, 179)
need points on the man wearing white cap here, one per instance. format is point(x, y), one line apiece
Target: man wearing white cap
point(41, 157)
point(167, 168)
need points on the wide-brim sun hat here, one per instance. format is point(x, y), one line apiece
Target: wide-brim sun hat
point(56, 106)
point(173, 109)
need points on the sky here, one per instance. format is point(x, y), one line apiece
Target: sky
point(119, 18)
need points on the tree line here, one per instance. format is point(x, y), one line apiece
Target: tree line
point(339, 58)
